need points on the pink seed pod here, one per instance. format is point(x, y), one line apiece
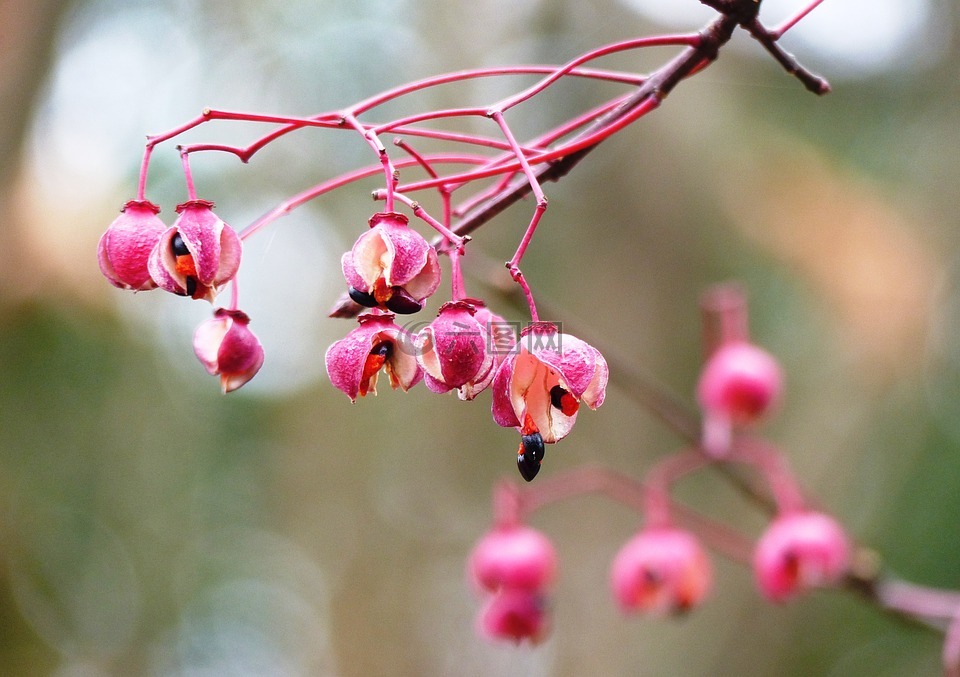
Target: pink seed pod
point(126, 245)
point(501, 340)
point(739, 384)
point(540, 386)
point(513, 556)
point(800, 551)
point(660, 571)
point(515, 615)
point(354, 362)
point(452, 350)
point(227, 348)
point(198, 255)
point(391, 266)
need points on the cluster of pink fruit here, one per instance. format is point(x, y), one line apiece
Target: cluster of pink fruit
point(539, 378)
point(664, 568)
point(195, 257)
point(660, 571)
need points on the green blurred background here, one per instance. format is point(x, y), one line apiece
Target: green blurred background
point(151, 526)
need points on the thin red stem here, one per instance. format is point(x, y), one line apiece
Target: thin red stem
point(234, 293)
point(390, 175)
point(422, 214)
point(527, 295)
point(144, 168)
point(689, 40)
point(725, 316)
point(578, 144)
point(777, 33)
point(154, 139)
point(622, 489)
point(659, 482)
point(458, 76)
point(188, 175)
point(305, 196)
point(420, 159)
point(776, 471)
point(918, 600)
point(428, 115)
point(456, 244)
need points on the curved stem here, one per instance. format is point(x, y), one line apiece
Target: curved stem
point(458, 76)
point(768, 460)
point(144, 168)
point(305, 196)
point(628, 492)
point(571, 149)
point(659, 482)
point(456, 244)
point(188, 175)
point(390, 174)
point(689, 40)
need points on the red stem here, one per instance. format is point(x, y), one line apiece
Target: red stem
point(459, 76)
point(188, 175)
point(778, 32)
point(305, 196)
point(622, 489)
point(690, 40)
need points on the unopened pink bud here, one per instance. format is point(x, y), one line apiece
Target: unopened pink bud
point(453, 349)
point(227, 348)
point(741, 382)
point(514, 615)
point(513, 556)
point(126, 245)
point(660, 571)
point(800, 551)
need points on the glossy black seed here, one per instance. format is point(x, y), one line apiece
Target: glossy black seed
point(528, 469)
point(191, 285)
point(363, 298)
point(556, 396)
point(530, 455)
point(533, 446)
point(178, 246)
point(401, 303)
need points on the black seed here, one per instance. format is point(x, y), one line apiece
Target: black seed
point(191, 285)
point(556, 396)
point(401, 303)
point(363, 298)
point(178, 246)
point(382, 350)
point(530, 455)
point(528, 469)
point(533, 446)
